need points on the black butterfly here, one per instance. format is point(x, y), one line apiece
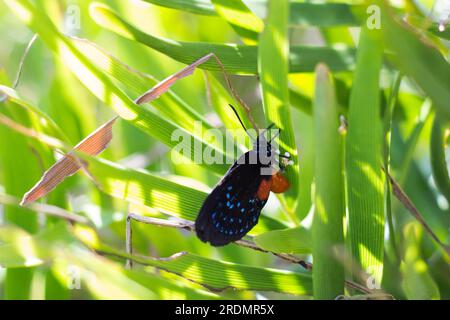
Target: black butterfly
point(232, 209)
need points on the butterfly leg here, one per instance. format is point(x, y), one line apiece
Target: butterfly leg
point(129, 234)
point(129, 240)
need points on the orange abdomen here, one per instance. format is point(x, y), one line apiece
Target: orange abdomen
point(279, 183)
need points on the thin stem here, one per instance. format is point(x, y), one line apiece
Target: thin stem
point(45, 209)
point(235, 95)
point(387, 150)
point(409, 205)
point(22, 60)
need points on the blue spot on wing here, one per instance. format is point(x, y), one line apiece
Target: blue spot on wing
point(236, 219)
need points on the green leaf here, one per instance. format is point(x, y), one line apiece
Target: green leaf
point(194, 6)
point(221, 97)
point(47, 209)
point(292, 241)
point(235, 58)
point(326, 14)
point(38, 118)
point(166, 289)
point(305, 143)
point(328, 237)
point(103, 278)
point(420, 21)
point(158, 192)
point(439, 168)
point(300, 101)
point(169, 104)
point(418, 58)
point(387, 124)
point(273, 52)
point(104, 88)
point(417, 187)
point(18, 282)
point(425, 114)
point(22, 249)
point(445, 34)
point(239, 16)
point(221, 275)
point(365, 180)
point(314, 14)
point(418, 284)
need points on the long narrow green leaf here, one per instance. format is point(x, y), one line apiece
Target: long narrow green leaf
point(221, 275)
point(315, 14)
point(235, 58)
point(304, 127)
point(137, 82)
point(292, 241)
point(204, 7)
point(221, 97)
point(327, 14)
point(416, 186)
point(166, 289)
point(418, 284)
point(21, 249)
point(424, 115)
point(18, 282)
point(239, 16)
point(157, 192)
point(438, 160)
point(103, 87)
point(41, 126)
point(432, 73)
point(273, 52)
point(444, 34)
point(110, 280)
point(300, 101)
point(363, 159)
point(387, 124)
point(169, 104)
point(302, 13)
point(39, 119)
point(328, 272)
point(43, 208)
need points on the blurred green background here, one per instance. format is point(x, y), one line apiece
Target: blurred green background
point(46, 257)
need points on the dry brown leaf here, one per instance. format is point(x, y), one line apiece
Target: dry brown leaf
point(92, 145)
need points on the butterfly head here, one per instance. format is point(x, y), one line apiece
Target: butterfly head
point(264, 148)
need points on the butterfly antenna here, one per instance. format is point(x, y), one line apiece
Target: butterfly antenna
point(240, 121)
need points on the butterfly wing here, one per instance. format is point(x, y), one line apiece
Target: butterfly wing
point(232, 209)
